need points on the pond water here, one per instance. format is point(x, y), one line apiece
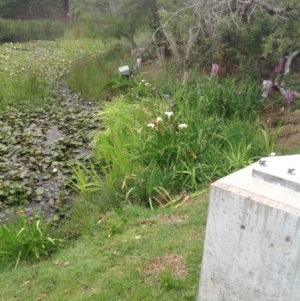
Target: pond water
point(39, 146)
point(38, 149)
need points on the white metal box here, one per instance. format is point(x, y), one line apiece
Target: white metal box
point(124, 71)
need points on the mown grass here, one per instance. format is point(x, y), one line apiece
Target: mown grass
point(155, 255)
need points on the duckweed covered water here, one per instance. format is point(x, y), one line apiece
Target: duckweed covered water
point(39, 145)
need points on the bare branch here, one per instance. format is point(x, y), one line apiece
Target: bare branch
point(267, 7)
point(288, 62)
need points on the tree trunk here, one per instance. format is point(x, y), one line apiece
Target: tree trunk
point(280, 82)
point(69, 14)
point(288, 62)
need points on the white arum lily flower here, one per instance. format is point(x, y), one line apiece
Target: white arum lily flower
point(151, 125)
point(182, 126)
point(158, 119)
point(169, 114)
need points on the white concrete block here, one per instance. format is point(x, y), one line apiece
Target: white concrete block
point(252, 243)
point(124, 70)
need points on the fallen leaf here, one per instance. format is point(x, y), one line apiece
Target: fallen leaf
point(41, 297)
point(66, 263)
point(26, 282)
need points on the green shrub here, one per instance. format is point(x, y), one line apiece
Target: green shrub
point(242, 46)
point(154, 147)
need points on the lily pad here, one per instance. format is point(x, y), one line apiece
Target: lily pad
point(39, 191)
point(51, 135)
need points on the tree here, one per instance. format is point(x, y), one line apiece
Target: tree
point(115, 18)
point(12, 8)
point(193, 27)
point(37, 8)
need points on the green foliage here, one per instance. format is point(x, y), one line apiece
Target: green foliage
point(235, 35)
point(43, 128)
point(25, 240)
point(12, 8)
point(30, 8)
point(153, 148)
point(114, 18)
point(243, 46)
point(284, 36)
point(228, 100)
point(24, 31)
point(12, 192)
point(116, 222)
point(131, 265)
point(24, 90)
point(168, 282)
point(269, 139)
point(94, 76)
point(87, 180)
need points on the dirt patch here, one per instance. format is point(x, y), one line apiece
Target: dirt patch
point(289, 119)
point(167, 219)
point(289, 136)
point(172, 263)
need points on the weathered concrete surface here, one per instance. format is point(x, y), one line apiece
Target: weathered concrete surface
point(252, 244)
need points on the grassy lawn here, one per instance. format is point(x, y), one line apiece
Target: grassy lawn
point(133, 254)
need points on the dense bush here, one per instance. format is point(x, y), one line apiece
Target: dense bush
point(157, 146)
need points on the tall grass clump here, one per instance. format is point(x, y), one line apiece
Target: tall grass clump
point(157, 146)
point(24, 91)
point(76, 46)
point(28, 30)
point(25, 240)
point(94, 75)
